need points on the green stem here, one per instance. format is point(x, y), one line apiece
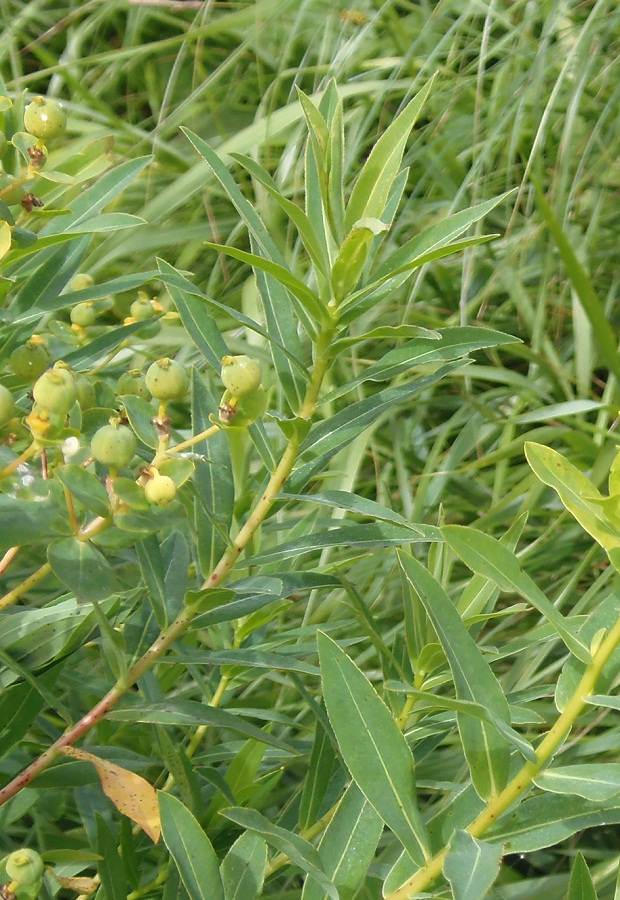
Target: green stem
point(25, 585)
point(26, 454)
point(523, 779)
point(184, 618)
point(203, 436)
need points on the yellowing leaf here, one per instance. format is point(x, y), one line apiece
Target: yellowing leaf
point(5, 238)
point(131, 794)
point(80, 885)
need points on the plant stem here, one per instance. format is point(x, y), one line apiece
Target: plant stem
point(184, 618)
point(194, 440)
point(8, 558)
point(25, 585)
point(523, 779)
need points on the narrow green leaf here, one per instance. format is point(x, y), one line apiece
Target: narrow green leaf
point(304, 294)
point(282, 331)
point(300, 851)
point(140, 413)
point(152, 569)
point(82, 568)
point(488, 557)
point(190, 712)
point(255, 225)
point(201, 326)
point(486, 748)
point(454, 342)
point(106, 222)
point(375, 534)
point(19, 706)
point(471, 866)
point(372, 746)
point(24, 521)
point(436, 236)
point(581, 886)
point(94, 198)
point(548, 819)
point(347, 846)
point(109, 866)
point(600, 781)
point(371, 189)
point(297, 216)
point(243, 867)
point(578, 494)
point(213, 480)
point(320, 770)
point(191, 850)
point(602, 331)
point(355, 504)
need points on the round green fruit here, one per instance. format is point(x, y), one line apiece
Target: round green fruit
point(83, 314)
point(142, 309)
point(81, 281)
point(160, 490)
point(7, 405)
point(132, 382)
point(114, 445)
point(55, 390)
point(30, 360)
point(241, 374)
point(166, 379)
point(24, 866)
point(45, 118)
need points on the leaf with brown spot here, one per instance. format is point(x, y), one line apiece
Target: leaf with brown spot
point(131, 794)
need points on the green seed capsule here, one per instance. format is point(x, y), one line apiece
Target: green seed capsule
point(7, 405)
point(114, 445)
point(45, 118)
point(55, 390)
point(160, 490)
point(132, 382)
point(83, 314)
point(166, 379)
point(30, 360)
point(24, 866)
point(81, 281)
point(240, 413)
point(241, 374)
point(85, 390)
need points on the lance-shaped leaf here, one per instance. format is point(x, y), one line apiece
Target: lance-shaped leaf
point(347, 846)
point(454, 343)
point(440, 234)
point(578, 494)
point(132, 795)
point(593, 781)
point(242, 870)
point(297, 216)
point(308, 299)
point(486, 749)
point(371, 190)
point(82, 568)
point(300, 851)
point(487, 556)
point(581, 886)
point(372, 746)
point(191, 850)
point(471, 866)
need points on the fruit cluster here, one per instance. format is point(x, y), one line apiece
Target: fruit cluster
point(66, 404)
point(44, 121)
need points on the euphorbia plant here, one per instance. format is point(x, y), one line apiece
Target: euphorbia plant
point(162, 531)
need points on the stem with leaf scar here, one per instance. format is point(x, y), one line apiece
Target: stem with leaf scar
point(185, 617)
point(523, 779)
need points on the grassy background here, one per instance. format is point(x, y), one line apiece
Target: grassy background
point(526, 94)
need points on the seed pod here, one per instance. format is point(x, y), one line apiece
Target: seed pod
point(132, 382)
point(55, 390)
point(114, 445)
point(30, 360)
point(45, 118)
point(166, 379)
point(160, 490)
point(24, 866)
point(83, 314)
point(7, 405)
point(241, 374)
point(241, 412)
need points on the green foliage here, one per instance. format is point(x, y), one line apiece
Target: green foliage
point(347, 594)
